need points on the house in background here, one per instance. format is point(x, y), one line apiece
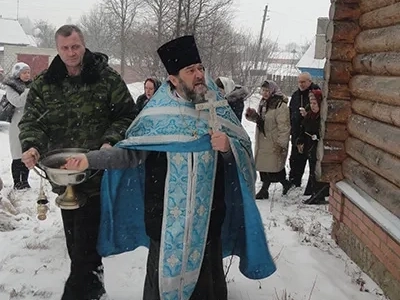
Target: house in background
point(313, 60)
point(308, 62)
point(11, 33)
point(16, 45)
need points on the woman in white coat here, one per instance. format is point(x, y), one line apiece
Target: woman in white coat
point(17, 88)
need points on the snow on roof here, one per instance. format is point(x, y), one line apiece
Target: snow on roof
point(11, 33)
point(32, 40)
point(308, 60)
point(284, 55)
point(282, 70)
point(277, 69)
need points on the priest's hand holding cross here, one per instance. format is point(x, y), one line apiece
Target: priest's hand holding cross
point(219, 140)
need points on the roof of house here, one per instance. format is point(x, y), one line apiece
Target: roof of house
point(33, 41)
point(308, 61)
point(11, 33)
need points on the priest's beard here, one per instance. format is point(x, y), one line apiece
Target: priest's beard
point(197, 94)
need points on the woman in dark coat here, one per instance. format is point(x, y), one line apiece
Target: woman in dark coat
point(307, 143)
point(151, 86)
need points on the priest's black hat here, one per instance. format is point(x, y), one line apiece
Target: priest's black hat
point(179, 53)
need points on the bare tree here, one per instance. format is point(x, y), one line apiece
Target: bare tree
point(206, 19)
point(179, 19)
point(160, 27)
point(99, 30)
point(160, 11)
point(141, 51)
point(124, 12)
point(45, 32)
point(216, 43)
point(224, 50)
point(209, 21)
point(247, 53)
point(196, 13)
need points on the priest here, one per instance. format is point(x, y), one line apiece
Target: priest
point(182, 186)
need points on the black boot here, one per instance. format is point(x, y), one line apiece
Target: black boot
point(85, 286)
point(263, 192)
point(24, 177)
point(20, 174)
point(286, 186)
point(16, 175)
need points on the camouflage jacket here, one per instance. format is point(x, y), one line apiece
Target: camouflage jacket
point(77, 112)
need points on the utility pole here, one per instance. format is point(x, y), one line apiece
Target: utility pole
point(261, 37)
point(17, 9)
point(179, 19)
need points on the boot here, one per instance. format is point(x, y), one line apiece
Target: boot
point(286, 186)
point(24, 176)
point(89, 286)
point(20, 174)
point(263, 192)
point(16, 175)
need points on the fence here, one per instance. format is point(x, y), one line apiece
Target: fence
point(37, 58)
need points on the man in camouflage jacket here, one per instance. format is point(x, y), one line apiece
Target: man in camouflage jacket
point(79, 102)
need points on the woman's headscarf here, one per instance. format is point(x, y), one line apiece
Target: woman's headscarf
point(274, 89)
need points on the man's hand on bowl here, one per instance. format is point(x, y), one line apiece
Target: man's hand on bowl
point(77, 162)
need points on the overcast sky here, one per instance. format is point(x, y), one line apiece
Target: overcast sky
point(289, 20)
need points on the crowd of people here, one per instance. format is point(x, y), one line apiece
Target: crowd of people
point(161, 139)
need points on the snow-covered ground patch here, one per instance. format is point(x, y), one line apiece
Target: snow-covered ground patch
point(34, 261)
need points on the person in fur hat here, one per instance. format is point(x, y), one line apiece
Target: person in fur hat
point(235, 94)
point(17, 88)
point(307, 143)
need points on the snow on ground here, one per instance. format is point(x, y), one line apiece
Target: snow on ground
point(34, 262)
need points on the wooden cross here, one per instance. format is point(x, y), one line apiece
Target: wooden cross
point(211, 105)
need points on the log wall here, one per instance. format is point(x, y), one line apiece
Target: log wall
point(336, 110)
point(362, 123)
point(374, 126)
point(362, 89)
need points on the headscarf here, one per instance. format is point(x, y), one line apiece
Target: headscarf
point(274, 89)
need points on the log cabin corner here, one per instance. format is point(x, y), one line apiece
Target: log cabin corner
point(361, 125)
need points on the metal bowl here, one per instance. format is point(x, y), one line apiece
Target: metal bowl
point(52, 162)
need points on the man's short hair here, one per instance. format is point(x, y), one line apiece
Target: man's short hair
point(67, 30)
point(307, 75)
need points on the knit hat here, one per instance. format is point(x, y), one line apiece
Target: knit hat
point(18, 68)
point(317, 95)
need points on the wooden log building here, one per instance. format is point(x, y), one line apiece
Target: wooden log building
point(361, 148)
